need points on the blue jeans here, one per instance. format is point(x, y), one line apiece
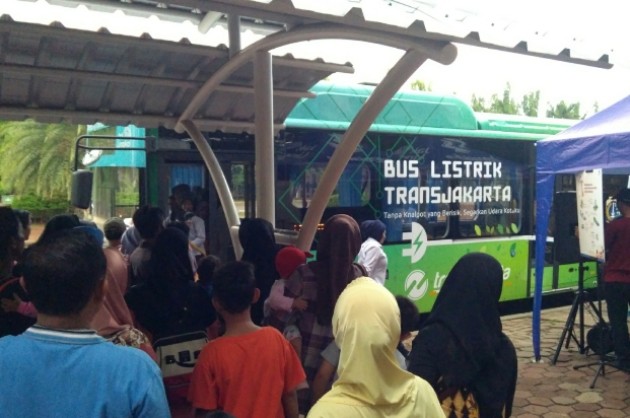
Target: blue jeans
point(617, 300)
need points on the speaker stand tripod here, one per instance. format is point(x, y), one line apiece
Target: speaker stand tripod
point(604, 358)
point(577, 310)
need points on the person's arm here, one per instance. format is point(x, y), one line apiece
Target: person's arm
point(422, 358)
point(322, 378)
point(369, 259)
point(202, 392)
point(200, 232)
point(276, 300)
point(290, 404)
point(27, 309)
point(11, 305)
point(153, 403)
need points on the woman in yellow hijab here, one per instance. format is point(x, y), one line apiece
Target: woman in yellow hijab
point(366, 326)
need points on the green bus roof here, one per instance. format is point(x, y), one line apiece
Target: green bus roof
point(414, 112)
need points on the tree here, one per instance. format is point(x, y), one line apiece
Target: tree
point(420, 86)
point(36, 157)
point(564, 110)
point(478, 104)
point(530, 102)
point(506, 104)
point(595, 107)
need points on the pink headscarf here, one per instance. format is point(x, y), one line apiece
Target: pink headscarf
point(114, 315)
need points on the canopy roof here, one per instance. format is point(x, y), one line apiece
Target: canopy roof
point(518, 28)
point(599, 142)
point(54, 74)
point(60, 74)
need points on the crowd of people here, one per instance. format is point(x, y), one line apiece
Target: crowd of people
point(288, 335)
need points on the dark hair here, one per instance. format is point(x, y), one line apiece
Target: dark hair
point(9, 231)
point(623, 196)
point(409, 314)
point(206, 268)
point(24, 217)
point(59, 223)
point(234, 286)
point(62, 271)
point(114, 228)
point(170, 261)
point(218, 414)
point(179, 225)
point(148, 221)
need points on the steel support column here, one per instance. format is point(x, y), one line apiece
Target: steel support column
point(382, 94)
point(264, 173)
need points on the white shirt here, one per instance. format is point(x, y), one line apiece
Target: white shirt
point(197, 234)
point(374, 260)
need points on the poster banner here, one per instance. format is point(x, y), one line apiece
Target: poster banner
point(590, 204)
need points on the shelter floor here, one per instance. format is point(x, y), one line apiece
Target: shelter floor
point(554, 391)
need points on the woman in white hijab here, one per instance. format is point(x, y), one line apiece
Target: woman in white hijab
point(366, 326)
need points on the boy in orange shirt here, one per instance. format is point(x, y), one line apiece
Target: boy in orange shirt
point(250, 371)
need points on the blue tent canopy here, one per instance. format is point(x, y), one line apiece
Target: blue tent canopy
point(601, 141)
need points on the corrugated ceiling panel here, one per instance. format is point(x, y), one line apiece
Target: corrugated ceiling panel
point(56, 74)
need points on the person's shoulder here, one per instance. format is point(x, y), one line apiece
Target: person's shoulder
point(271, 337)
point(8, 341)
point(129, 358)
point(621, 223)
point(270, 333)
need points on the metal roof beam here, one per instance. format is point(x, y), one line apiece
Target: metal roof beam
point(69, 74)
point(111, 118)
point(285, 12)
point(442, 52)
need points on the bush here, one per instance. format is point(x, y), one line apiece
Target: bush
point(41, 209)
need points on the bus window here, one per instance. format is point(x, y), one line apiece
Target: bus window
point(352, 189)
point(242, 187)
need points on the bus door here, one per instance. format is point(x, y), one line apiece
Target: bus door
point(239, 175)
point(186, 173)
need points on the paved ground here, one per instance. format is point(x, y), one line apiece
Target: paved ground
point(553, 391)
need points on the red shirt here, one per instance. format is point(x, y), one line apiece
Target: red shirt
point(617, 234)
point(246, 375)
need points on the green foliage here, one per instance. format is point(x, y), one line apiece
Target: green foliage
point(41, 209)
point(504, 104)
point(127, 198)
point(420, 86)
point(478, 104)
point(564, 110)
point(528, 106)
point(530, 102)
point(36, 158)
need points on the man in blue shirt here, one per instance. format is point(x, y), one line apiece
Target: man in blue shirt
point(61, 368)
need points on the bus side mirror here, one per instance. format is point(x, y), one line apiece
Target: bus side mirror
point(81, 190)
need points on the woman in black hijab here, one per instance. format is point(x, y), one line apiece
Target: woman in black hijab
point(170, 302)
point(259, 248)
point(461, 345)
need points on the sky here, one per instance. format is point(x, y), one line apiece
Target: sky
point(484, 72)
point(475, 71)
